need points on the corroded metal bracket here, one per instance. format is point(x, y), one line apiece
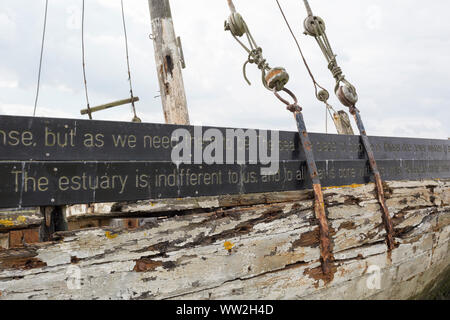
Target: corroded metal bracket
point(346, 93)
point(326, 255)
point(378, 181)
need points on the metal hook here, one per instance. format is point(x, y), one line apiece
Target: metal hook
point(244, 70)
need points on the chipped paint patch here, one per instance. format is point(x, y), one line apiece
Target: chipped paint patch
point(145, 264)
point(110, 235)
point(23, 263)
point(209, 204)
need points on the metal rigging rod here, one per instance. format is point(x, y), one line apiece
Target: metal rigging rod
point(347, 95)
point(275, 79)
point(340, 118)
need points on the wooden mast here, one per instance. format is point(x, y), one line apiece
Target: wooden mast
point(168, 63)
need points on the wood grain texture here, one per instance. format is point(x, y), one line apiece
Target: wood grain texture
point(265, 251)
point(168, 63)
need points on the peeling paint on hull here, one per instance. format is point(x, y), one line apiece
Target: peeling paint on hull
point(266, 251)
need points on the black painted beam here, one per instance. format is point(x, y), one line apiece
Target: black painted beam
point(46, 162)
point(61, 183)
point(44, 139)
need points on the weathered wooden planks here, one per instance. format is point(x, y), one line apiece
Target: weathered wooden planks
point(274, 252)
point(19, 218)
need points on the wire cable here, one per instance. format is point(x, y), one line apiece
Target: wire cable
point(40, 60)
point(84, 63)
point(128, 60)
point(316, 84)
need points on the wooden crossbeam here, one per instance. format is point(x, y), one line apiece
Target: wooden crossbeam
point(110, 105)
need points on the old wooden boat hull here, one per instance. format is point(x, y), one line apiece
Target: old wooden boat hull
point(262, 246)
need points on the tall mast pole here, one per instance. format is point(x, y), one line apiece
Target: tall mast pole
point(168, 63)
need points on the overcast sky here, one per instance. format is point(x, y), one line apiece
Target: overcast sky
point(396, 53)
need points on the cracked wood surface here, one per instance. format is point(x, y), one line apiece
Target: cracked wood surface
point(263, 251)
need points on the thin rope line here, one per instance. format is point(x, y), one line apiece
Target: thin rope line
point(128, 60)
point(40, 60)
point(84, 64)
point(316, 84)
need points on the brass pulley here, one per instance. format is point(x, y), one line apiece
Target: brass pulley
point(277, 78)
point(347, 95)
point(315, 26)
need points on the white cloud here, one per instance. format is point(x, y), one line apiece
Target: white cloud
point(8, 84)
point(7, 26)
point(399, 67)
point(27, 110)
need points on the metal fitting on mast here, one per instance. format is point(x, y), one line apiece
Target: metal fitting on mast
point(272, 78)
point(346, 93)
point(315, 27)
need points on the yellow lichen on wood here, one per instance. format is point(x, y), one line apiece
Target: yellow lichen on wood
point(6, 222)
point(21, 219)
point(228, 245)
point(110, 235)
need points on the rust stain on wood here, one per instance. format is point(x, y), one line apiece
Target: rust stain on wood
point(26, 263)
point(318, 274)
point(308, 239)
point(349, 225)
point(74, 259)
point(18, 238)
point(145, 264)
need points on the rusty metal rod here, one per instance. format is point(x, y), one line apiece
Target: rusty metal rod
point(378, 181)
point(326, 255)
point(110, 105)
point(319, 204)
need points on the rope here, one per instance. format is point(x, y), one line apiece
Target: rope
point(270, 77)
point(128, 61)
point(84, 64)
point(316, 84)
point(308, 8)
point(231, 5)
point(323, 95)
point(238, 27)
point(315, 27)
point(40, 60)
